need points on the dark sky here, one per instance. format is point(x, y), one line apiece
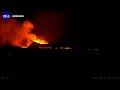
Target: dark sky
point(87, 20)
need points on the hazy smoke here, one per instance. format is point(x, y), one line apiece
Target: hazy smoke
point(15, 33)
point(51, 25)
point(48, 25)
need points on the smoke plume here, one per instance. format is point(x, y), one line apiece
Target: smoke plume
point(15, 33)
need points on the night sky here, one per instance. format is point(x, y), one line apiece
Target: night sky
point(84, 22)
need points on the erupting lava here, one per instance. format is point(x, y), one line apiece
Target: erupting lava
point(35, 39)
point(41, 41)
point(31, 37)
point(15, 33)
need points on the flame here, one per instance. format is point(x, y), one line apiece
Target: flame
point(37, 41)
point(32, 37)
point(19, 34)
point(41, 41)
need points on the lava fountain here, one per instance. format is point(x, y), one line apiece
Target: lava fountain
point(32, 37)
point(15, 33)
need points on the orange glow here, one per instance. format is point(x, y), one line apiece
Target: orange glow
point(34, 38)
point(31, 37)
point(15, 33)
point(41, 41)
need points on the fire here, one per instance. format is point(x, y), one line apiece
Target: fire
point(15, 33)
point(41, 41)
point(32, 37)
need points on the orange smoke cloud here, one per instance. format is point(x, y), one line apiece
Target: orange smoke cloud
point(15, 33)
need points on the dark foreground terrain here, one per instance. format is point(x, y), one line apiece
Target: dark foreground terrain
point(50, 64)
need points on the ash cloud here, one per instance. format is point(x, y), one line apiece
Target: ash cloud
point(15, 33)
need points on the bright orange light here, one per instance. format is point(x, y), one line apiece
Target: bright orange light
point(40, 41)
point(34, 38)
